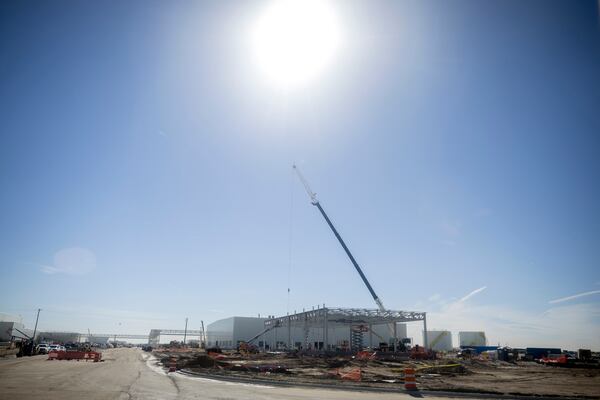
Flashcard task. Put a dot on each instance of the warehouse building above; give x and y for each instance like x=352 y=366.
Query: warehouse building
x=227 y=333
x=10 y=330
x=319 y=329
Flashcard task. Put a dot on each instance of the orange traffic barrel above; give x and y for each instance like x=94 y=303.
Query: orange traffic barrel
x=172 y=365
x=410 y=382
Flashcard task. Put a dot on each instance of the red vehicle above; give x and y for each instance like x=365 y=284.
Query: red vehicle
x=555 y=359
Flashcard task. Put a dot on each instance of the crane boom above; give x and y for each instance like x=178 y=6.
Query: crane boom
x=315 y=202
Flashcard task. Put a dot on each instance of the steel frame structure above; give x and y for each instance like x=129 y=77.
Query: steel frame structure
x=326 y=318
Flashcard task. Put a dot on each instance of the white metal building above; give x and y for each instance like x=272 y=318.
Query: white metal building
x=11 y=329
x=338 y=337
x=227 y=333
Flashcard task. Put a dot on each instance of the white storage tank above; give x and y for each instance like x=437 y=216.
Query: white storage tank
x=401 y=331
x=439 y=340
x=470 y=338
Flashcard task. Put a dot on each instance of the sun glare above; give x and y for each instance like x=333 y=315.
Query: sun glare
x=294 y=40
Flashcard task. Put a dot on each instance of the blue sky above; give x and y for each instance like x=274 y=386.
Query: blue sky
x=146 y=176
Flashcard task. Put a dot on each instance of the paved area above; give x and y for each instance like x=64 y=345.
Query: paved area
x=129 y=374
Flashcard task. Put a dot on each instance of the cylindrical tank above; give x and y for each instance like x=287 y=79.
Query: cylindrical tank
x=401 y=331
x=469 y=338
x=439 y=340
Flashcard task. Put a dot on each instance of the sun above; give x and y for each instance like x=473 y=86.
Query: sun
x=295 y=40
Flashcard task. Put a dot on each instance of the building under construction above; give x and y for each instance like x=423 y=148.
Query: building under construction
x=320 y=329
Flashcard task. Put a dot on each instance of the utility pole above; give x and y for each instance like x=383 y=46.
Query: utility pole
x=185 y=331
x=36 y=323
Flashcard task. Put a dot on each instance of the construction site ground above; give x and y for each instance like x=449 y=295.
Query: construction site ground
x=131 y=374
x=444 y=375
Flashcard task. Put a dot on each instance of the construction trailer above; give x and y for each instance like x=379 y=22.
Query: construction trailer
x=536 y=353
x=480 y=349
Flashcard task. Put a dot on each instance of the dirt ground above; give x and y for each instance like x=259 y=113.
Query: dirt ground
x=471 y=376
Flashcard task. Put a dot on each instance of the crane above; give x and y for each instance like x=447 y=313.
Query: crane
x=315 y=202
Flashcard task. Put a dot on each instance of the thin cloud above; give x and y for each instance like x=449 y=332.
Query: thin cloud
x=473 y=293
x=482 y=212
x=71 y=261
x=575 y=296
x=435 y=297
x=570 y=326
x=451 y=228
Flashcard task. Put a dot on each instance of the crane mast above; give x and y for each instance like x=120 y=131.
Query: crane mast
x=315 y=202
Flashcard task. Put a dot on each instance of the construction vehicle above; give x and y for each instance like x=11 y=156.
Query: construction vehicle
x=421 y=353
x=315 y=202
x=384 y=346
x=247 y=346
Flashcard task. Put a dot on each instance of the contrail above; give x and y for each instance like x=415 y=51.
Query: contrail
x=575 y=296
x=473 y=293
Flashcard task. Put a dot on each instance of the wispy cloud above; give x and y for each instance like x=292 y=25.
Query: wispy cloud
x=71 y=261
x=473 y=293
x=435 y=297
x=570 y=326
x=451 y=228
x=575 y=296
x=482 y=212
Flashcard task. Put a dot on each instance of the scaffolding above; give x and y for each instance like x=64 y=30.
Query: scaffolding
x=355 y=319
